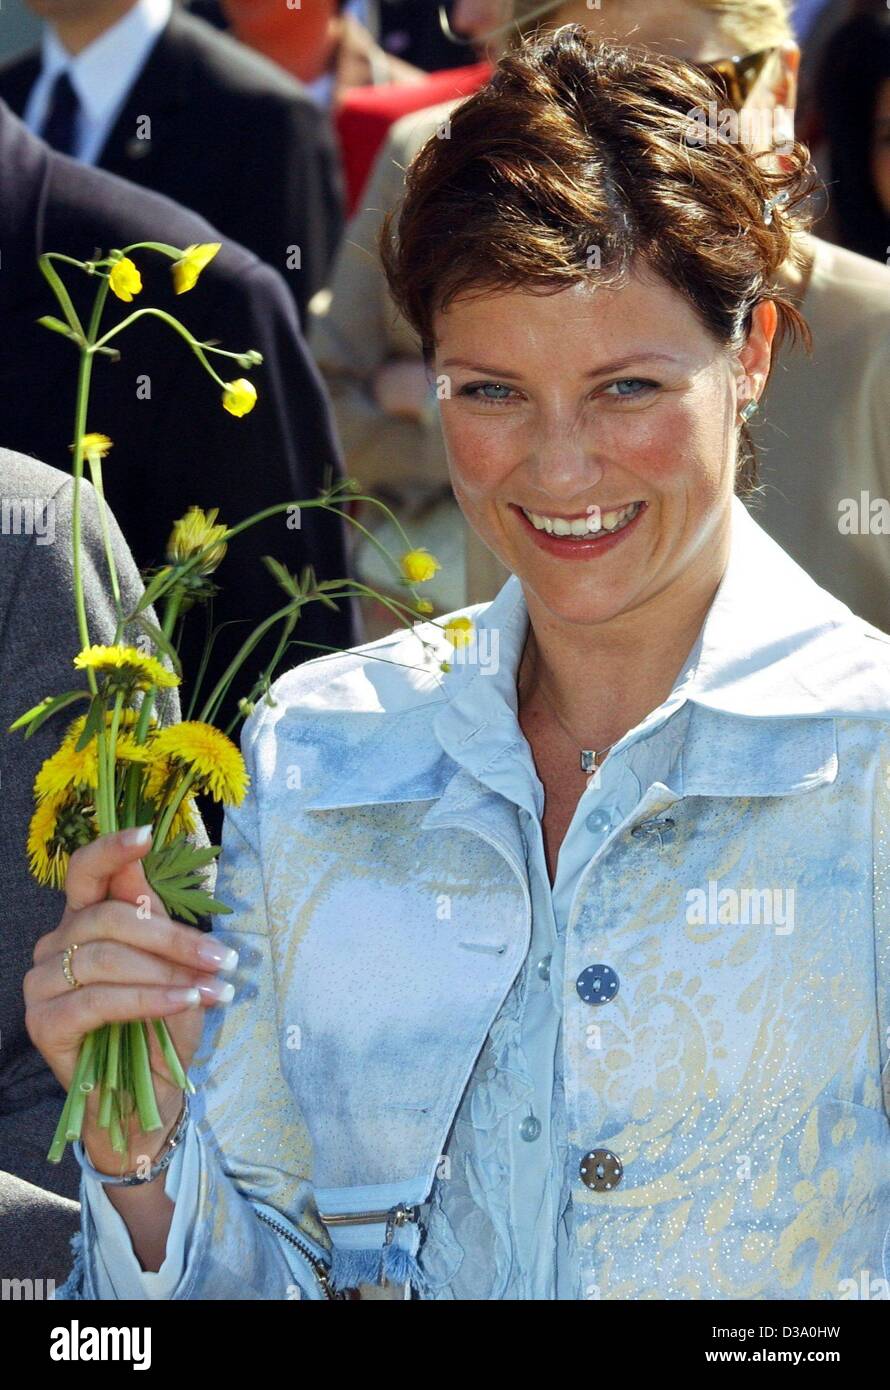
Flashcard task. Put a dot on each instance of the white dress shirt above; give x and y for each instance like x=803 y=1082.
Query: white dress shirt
x=102 y=74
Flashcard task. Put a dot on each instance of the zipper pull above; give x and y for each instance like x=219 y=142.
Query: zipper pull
x=396 y=1216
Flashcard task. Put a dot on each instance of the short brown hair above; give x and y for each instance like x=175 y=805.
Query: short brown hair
x=576 y=143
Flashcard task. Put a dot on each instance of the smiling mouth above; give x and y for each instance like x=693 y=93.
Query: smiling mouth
x=595 y=523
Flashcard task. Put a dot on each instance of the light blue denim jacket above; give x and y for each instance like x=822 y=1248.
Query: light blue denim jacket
x=392 y=1031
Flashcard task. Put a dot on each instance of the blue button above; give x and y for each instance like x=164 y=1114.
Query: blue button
x=544 y=968
x=598 y=821
x=597 y=984
x=530 y=1128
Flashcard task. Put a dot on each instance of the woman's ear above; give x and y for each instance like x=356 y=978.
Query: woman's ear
x=755 y=357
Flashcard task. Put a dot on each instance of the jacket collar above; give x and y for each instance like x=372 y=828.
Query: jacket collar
x=778 y=659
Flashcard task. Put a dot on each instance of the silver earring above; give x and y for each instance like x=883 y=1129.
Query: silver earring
x=748 y=410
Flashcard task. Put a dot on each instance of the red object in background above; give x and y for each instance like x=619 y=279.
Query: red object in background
x=366 y=114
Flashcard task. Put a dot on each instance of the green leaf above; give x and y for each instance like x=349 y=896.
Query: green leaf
x=57 y=326
x=176 y=873
x=152 y=590
x=46 y=709
x=160 y=639
x=281 y=575
x=92 y=725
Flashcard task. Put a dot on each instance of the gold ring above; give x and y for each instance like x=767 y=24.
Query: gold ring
x=66 y=966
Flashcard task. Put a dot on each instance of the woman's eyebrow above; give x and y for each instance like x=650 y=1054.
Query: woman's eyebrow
x=595 y=371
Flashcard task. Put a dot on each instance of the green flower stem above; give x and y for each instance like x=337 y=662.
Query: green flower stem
x=55 y=283
x=112 y=1033
x=140 y=731
x=177 y=1075
x=63 y=1129
x=82 y=1090
x=149 y=1115
x=115 y=1129
x=95 y=463
x=178 y=572
x=57 y=1147
x=174 y=323
x=111 y=766
x=174 y=252
x=218 y=694
x=170 y=810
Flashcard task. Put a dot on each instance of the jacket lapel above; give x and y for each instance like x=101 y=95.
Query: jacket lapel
x=16 y=82
x=161 y=92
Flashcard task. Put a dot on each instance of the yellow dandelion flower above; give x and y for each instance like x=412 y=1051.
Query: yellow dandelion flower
x=239 y=397
x=192 y=533
x=194 y=258
x=67 y=769
x=209 y=754
x=419 y=565
x=125 y=667
x=42 y=853
x=184 y=820
x=126 y=719
x=459 y=631
x=95 y=444
x=125 y=279
x=57 y=827
x=70 y=768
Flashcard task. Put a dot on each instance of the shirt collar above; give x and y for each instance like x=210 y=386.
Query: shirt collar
x=103 y=72
x=777 y=658
x=772 y=644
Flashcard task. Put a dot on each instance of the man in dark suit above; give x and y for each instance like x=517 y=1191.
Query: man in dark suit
x=174 y=444
x=152 y=93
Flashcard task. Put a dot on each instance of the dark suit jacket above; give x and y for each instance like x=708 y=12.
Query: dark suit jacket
x=232 y=136
x=38 y=641
x=178 y=447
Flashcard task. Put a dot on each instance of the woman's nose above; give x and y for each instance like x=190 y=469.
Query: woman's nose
x=565 y=467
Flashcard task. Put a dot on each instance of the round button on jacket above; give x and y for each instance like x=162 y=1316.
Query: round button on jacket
x=598 y=820
x=597 y=984
x=601 y=1170
x=530 y=1128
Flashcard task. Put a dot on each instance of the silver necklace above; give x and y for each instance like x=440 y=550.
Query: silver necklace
x=591 y=758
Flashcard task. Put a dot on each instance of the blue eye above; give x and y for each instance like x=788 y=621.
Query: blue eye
x=474 y=390
x=631 y=381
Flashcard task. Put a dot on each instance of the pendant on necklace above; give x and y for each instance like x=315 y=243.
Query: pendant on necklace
x=588 y=760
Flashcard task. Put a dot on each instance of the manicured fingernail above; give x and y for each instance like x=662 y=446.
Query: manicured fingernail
x=219 y=991
x=214 y=953
x=183 y=996
x=139 y=835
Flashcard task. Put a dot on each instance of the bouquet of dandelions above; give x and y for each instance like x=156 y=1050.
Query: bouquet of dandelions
x=115 y=766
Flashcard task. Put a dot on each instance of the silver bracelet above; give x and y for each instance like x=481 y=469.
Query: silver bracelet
x=162 y=1162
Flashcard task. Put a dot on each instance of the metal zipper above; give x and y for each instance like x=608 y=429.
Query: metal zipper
x=319 y=1268
x=395 y=1216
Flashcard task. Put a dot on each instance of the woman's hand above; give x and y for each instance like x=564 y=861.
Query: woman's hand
x=132 y=962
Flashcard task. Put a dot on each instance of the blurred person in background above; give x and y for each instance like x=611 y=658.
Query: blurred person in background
x=825 y=419
x=146 y=90
x=854 y=95
x=323 y=44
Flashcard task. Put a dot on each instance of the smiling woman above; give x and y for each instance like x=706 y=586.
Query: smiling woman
x=563 y=964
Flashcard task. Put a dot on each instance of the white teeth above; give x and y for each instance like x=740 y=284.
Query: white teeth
x=583 y=526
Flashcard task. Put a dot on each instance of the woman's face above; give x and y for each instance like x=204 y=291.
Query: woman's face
x=585 y=403
x=880 y=150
